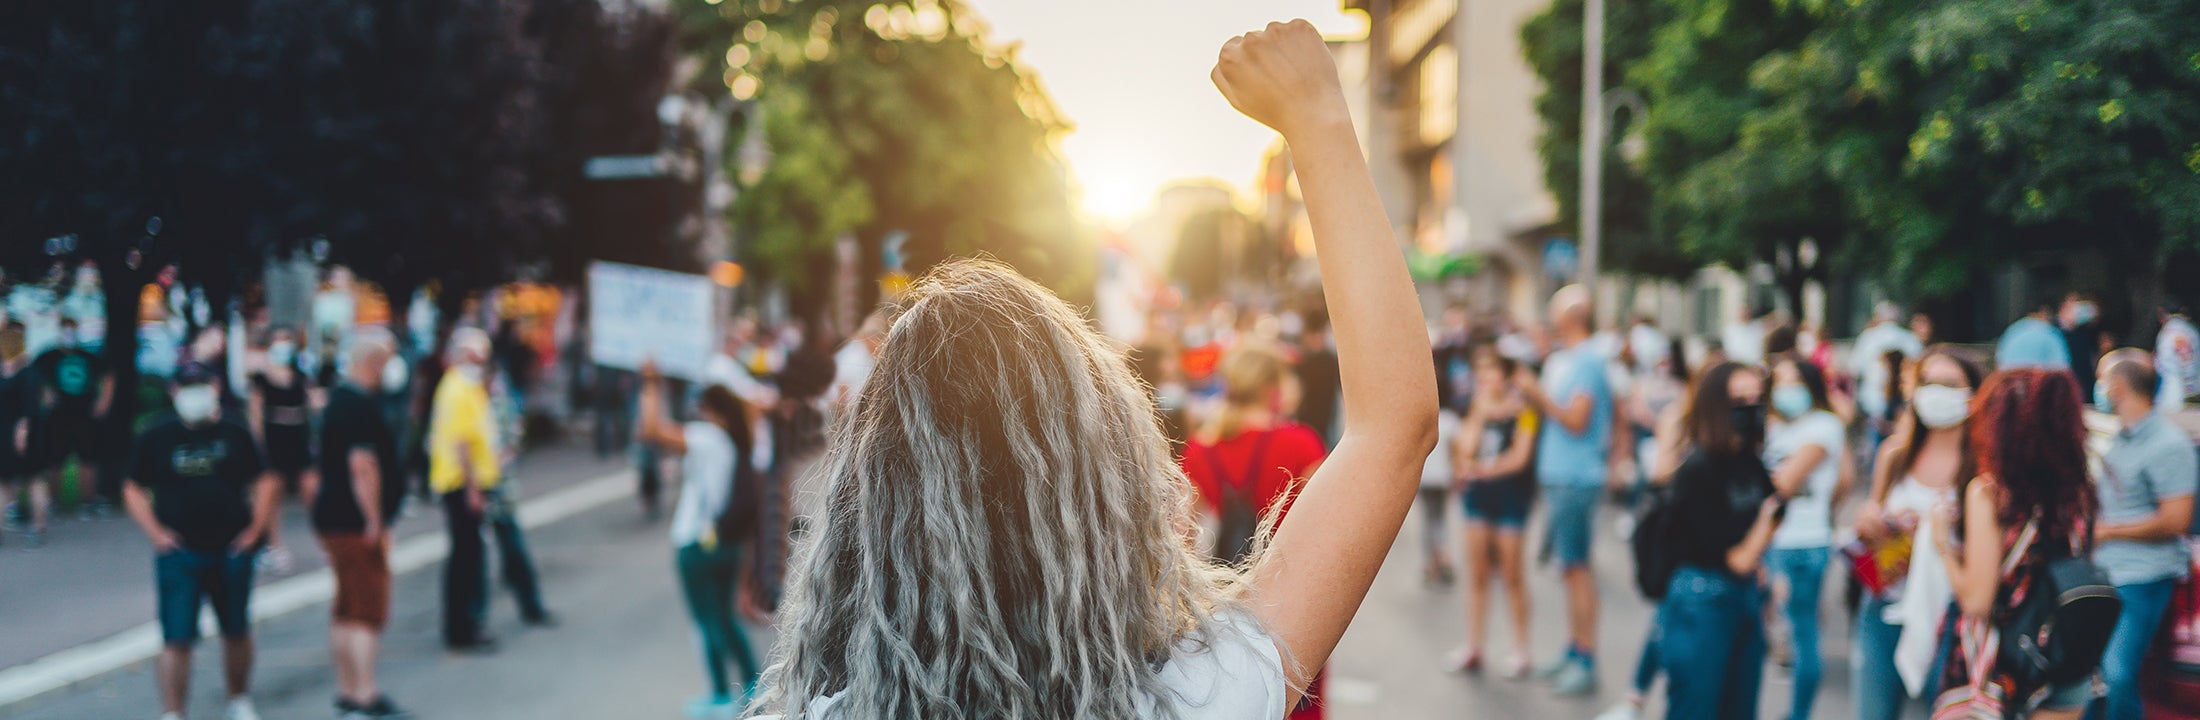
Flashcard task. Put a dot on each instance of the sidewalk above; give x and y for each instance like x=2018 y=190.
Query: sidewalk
x=94 y=577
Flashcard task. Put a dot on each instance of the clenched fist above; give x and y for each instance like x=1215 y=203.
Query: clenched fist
x=1283 y=77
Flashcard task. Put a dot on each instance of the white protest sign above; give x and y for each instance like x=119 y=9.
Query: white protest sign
x=637 y=313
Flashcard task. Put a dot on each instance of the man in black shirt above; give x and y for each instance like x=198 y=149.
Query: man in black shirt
x=200 y=491
x=78 y=391
x=354 y=501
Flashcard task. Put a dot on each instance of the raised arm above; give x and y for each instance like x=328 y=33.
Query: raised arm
x=1325 y=553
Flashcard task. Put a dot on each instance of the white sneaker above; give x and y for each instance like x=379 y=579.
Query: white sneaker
x=241 y=709
x=1623 y=710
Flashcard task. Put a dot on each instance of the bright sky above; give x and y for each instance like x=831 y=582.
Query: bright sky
x=1132 y=76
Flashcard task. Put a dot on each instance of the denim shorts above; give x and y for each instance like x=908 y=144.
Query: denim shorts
x=1572 y=522
x=187 y=578
x=1500 y=504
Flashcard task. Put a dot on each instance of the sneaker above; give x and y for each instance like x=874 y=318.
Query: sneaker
x=1466 y=660
x=241 y=709
x=1577 y=680
x=1622 y=710
x=1516 y=667
x=380 y=709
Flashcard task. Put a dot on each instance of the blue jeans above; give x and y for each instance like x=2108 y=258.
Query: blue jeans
x=1646 y=669
x=708 y=579
x=2144 y=605
x=1711 y=639
x=1805 y=571
x=188 y=578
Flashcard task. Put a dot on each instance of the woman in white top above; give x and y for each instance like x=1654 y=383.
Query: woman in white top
x=1008 y=535
x=712 y=449
x=1804 y=442
x=1916 y=473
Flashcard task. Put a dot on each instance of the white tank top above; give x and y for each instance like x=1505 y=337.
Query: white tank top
x=1910 y=495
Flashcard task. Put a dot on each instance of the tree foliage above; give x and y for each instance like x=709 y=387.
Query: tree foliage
x=890 y=118
x=1914 y=142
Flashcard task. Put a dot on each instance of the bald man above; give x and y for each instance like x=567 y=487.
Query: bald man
x=2146 y=512
x=1574 y=396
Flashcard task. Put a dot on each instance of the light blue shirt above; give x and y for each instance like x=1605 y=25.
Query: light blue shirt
x=2146 y=465
x=1564 y=458
x=2032 y=343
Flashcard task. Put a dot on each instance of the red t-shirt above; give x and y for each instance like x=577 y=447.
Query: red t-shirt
x=1292 y=450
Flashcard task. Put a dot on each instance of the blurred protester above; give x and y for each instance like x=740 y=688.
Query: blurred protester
x=1495 y=453
x=996 y=380
x=1921 y=325
x=1781 y=339
x=1744 y=340
x=19 y=395
x=355 y=497
x=1667 y=448
x=466 y=466
x=201 y=494
x=1650 y=345
x=1438 y=474
x=2146 y=510
x=712 y=450
x=1723 y=513
x=516 y=362
x=1249 y=457
x=2079 y=319
x=2033 y=341
x=1804 y=445
x=1867 y=362
x=78 y=392
x=1574 y=400
x=1318 y=378
x=853 y=362
x=2030 y=502
x=2177 y=357
x=87 y=305
x=1906 y=591
x=738 y=367
x=278 y=411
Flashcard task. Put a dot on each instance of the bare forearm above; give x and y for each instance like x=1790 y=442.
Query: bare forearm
x=366 y=486
x=1744 y=557
x=140 y=508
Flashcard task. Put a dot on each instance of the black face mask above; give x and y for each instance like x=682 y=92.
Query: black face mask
x=1749 y=423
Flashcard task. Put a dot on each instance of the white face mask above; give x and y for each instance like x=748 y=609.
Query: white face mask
x=282 y=353
x=394 y=374
x=470 y=371
x=1941 y=406
x=196 y=403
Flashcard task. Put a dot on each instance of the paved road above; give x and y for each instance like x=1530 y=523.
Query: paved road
x=625 y=651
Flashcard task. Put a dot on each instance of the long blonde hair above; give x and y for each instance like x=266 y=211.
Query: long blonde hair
x=1004 y=534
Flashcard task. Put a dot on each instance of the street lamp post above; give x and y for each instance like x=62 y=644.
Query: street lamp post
x=1592 y=142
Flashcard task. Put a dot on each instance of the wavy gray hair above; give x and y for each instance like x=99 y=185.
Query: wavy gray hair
x=1007 y=535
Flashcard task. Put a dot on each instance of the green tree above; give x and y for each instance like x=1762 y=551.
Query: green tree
x=889 y=118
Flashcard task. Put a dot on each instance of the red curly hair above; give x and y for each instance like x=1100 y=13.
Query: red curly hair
x=2028 y=431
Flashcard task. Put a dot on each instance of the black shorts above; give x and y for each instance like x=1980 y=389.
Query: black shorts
x=68 y=435
x=289 y=449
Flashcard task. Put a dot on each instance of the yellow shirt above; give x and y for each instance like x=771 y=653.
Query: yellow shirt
x=462 y=416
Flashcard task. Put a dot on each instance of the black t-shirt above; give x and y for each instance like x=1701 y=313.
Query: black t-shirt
x=72 y=374
x=282 y=406
x=1716 y=497
x=201 y=478
x=353 y=421
x=1318 y=380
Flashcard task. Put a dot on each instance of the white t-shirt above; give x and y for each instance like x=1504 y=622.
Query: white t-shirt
x=1236 y=675
x=1909 y=495
x=723 y=369
x=851 y=368
x=1436 y=471
x=706 y=481
x=1809 y=522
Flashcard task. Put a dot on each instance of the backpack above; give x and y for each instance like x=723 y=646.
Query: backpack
x=1655 y=561
x=744 y=510
x=1240 y=517
x=2058 y=634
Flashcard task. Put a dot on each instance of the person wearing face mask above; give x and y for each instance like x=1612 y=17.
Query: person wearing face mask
x=200 y=492
x=18 y=406
x=465 y=467
x=277 y=410
x=2146 y=511
x=78 y=391
x=1907 y=592
x=1803 y=446
x=1722 y=516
